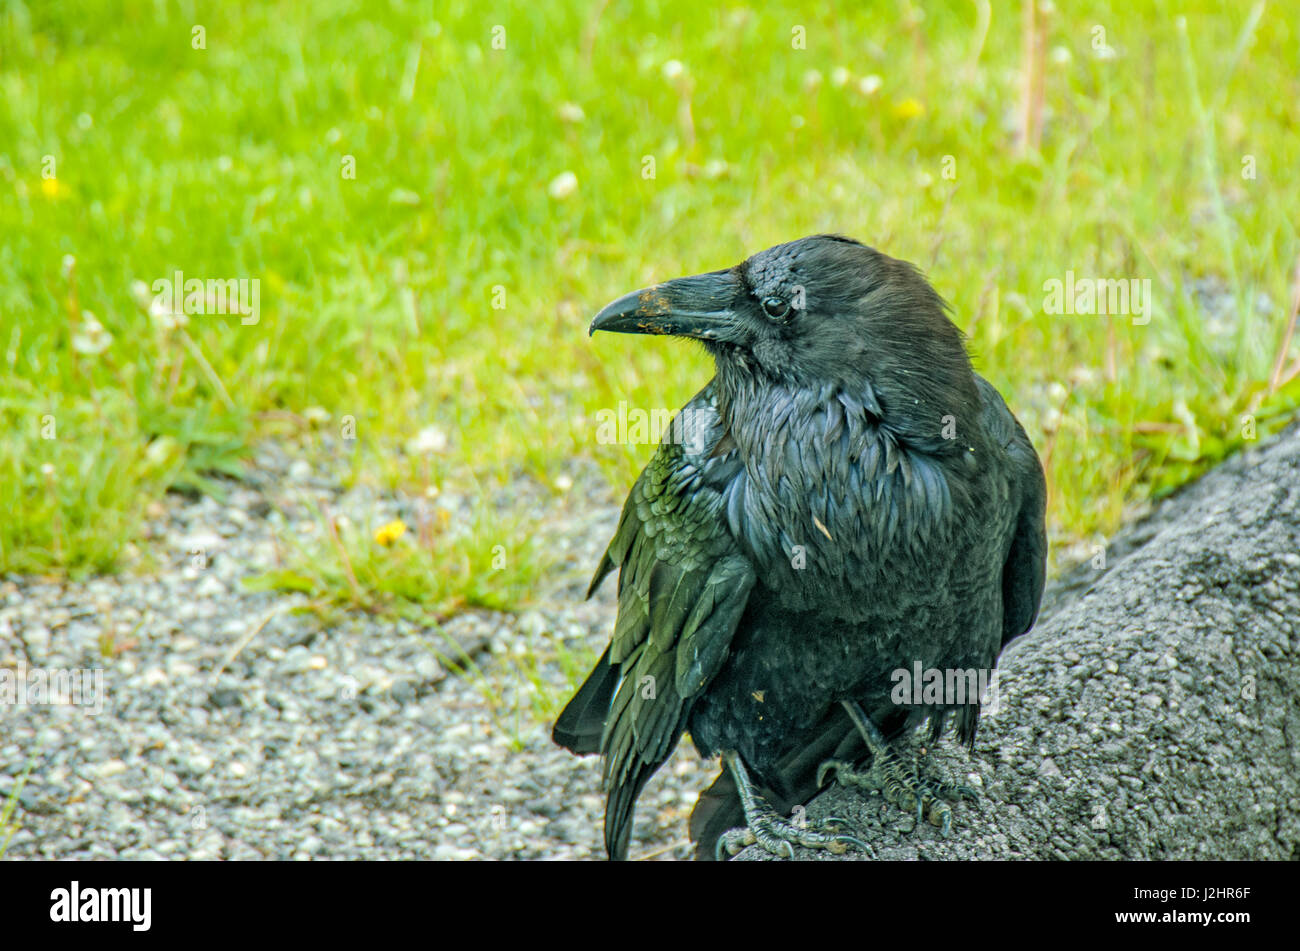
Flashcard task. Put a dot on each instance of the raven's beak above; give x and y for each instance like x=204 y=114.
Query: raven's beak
x=701 y=306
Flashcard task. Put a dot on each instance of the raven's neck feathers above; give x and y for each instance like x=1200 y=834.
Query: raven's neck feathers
x=842 y=486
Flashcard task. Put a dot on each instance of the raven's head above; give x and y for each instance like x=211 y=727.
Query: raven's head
x=817 y=311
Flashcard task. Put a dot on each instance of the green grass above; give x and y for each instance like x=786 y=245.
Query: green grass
x=435 y=567
x=377 y=292
x=9 y=807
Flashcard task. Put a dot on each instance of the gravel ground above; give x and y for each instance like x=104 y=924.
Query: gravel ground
x=235 y=727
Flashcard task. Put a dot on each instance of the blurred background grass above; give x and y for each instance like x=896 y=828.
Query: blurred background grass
x=998 y=154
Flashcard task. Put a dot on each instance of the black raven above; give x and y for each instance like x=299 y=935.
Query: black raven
x=844 y=500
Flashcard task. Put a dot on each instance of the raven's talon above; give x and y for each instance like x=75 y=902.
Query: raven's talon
x=842 y=843
x=779 y=836
x=845 y=774
x=733 y=842
x=903 y=784
x=941 y=816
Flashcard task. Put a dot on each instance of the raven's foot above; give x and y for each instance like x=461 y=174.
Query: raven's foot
x=904 y=781
x=902 y=777
x=777 y=835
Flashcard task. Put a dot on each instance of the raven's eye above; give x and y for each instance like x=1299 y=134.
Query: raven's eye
x=775 y=308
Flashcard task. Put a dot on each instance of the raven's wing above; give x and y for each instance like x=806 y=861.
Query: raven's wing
x=1025 y=568
x=682 y=588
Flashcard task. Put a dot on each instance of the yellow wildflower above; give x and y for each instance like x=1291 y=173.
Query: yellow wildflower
x=391 y=532
x=909 y=109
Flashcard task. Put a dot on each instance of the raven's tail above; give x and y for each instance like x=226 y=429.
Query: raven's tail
x=581 y=723
x=717 y=810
